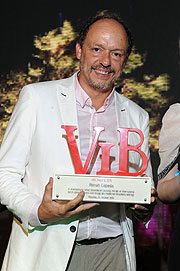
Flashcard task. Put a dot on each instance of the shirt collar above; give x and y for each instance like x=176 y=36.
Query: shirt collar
x=83 y=99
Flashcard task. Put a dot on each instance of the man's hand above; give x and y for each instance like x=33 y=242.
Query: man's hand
x=51 y=211
x=144 y=212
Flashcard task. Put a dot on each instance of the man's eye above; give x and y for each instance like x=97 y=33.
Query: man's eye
x=96 y=49
x=117 y=54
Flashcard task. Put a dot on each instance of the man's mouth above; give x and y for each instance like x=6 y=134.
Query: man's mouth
x=104 y=72
x=101 y=72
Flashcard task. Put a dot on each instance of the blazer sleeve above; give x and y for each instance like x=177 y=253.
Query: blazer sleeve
x=14 y=156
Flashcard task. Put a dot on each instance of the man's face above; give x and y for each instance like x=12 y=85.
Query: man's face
x=102 y=55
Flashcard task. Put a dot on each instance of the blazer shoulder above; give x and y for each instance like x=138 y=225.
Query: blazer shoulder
x=134 y=107
x=51 y=86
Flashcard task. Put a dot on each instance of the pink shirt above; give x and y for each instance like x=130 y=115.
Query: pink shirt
x=102 y=221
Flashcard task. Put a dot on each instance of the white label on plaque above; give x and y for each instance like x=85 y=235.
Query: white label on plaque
x=100 y=188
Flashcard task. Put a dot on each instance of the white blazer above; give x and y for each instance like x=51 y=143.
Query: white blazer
x=33 y=149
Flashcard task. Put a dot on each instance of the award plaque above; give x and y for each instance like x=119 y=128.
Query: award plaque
x=122 y=189
x=105 y=186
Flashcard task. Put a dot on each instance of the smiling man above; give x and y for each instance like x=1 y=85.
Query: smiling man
x=102 y=57
x=48 y=235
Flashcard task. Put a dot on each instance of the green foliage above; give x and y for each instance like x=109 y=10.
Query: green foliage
x=54 y=58
x=151 y=95
x=56 y=51
x=135 y=60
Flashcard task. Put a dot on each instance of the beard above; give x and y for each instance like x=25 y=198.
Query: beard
x=100 y=86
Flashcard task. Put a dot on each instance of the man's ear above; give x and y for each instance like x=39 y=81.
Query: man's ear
x=78 y=50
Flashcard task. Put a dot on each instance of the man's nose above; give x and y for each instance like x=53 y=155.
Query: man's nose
x=106 y=59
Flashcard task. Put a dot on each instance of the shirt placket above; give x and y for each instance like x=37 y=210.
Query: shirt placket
x=93 y=123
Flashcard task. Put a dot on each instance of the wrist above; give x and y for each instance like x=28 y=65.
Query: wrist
x=42 y=221
x=40 y=215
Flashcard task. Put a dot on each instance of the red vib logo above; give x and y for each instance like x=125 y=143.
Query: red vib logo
x=124 y=148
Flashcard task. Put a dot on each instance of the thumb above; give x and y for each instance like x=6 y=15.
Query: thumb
x=48 y=190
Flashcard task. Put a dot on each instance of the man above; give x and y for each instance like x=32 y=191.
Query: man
x=47 y=235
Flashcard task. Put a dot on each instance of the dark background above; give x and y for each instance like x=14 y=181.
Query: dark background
x=155 y=26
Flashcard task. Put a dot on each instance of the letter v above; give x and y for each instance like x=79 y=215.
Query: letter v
x=79 y=169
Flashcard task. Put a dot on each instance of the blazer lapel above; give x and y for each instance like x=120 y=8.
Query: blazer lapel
x=124 y=118
x=121 y=111
x=67 y=105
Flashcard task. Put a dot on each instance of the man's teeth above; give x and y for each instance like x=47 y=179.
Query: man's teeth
x=102 y=72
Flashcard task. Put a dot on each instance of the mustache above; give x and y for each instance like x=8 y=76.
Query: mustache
x=106 y=69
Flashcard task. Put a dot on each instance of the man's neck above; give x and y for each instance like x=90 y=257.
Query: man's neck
x=98 y=96
x=99 y=99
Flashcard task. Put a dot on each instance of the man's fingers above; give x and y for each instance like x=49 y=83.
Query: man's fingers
x=72 y=204
x=86 y=206
x=83 y=207
x=154 y=195
x=140 y=207
x=154 y=192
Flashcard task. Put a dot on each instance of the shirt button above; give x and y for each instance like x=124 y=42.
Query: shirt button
x=72 y=228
